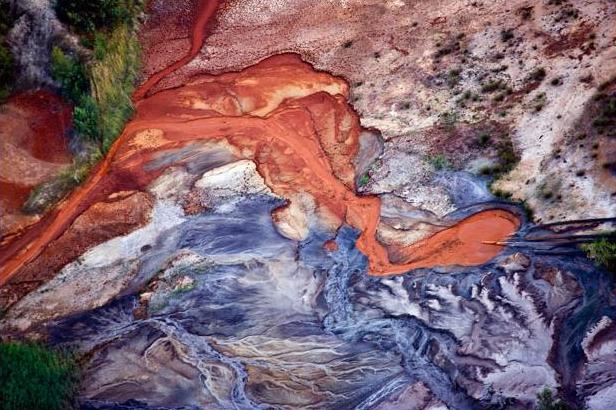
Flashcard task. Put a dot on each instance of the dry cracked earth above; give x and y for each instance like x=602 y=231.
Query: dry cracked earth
x=318 y=204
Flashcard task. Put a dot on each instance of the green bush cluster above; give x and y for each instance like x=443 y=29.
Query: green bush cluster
x=538 y=74
x=93 y=15
x=603 y=252
x=6 y=70
x=71 y=74
x=33 y=377
x=6 y=58
x=113 y=77
x=102 y=91
x=448 y=119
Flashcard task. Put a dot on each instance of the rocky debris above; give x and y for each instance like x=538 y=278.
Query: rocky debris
x=223 y=186
x=404 y=224
x=518 y=262
x=295 y=219
x=598 y=381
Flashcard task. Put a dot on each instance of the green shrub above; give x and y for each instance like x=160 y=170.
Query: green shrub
x=603 y=252
x=86 y=117
x=6 y=20
x=537 y=74
x=528 y=211
x=606 y=116
x=453 y=77
x=448 y=119
x=6 y=70
x=363 y=181
x=499 y=193
x=539 y=102
x=547 y=401
x=439 y=162
x=483 y=139
x=33 y=377
x=70 y=73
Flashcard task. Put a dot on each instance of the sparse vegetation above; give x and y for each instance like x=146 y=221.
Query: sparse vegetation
x=451 y=46
x=493 y=85
x=51 y=192
x=34 y=377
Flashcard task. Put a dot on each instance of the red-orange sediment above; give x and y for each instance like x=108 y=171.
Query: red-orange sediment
x=34 y=148
x=49 y=120
x=296 y=125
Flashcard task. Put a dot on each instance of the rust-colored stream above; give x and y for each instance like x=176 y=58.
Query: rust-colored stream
x=296 y=125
